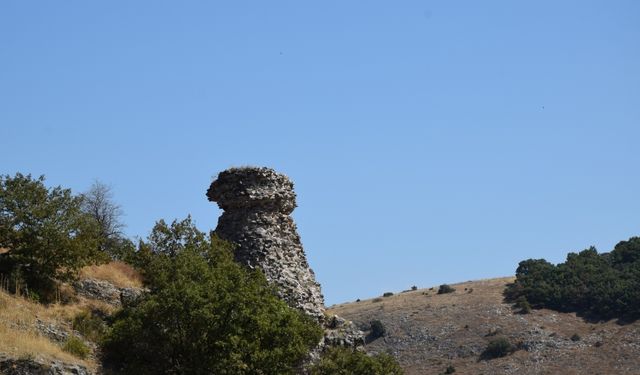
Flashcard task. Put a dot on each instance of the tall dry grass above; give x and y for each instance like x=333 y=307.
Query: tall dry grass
x=118 y=273
x=19 y=337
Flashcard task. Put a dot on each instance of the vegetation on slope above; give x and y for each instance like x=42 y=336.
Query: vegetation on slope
x=346 y=361
x=48 y=235
x=601 y=286
x=19 y=333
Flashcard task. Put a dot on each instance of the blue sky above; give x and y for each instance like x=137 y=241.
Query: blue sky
x=429 y=141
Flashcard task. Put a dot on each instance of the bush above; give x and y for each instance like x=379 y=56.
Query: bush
x=601 y=286
x=205 y=313
x=377 y=329
x=499 y=347
x=450 y=370
x=414 y=288
x=445 y=288
x=387 y=294
x=523 y=305
x=576 y=337
x=76 y=347
x=48 y=236
x=89 y=325
x=345 y=361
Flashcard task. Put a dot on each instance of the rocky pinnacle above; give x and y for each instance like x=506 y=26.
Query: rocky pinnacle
x=257 y=204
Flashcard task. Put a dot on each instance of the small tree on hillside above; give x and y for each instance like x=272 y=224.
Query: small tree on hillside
x=98 y=204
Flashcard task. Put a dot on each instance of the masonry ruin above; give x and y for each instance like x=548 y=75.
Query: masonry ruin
x=257 y=204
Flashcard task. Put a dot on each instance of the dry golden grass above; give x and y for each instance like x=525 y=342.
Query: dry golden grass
x=19 y=337
x=118 y=273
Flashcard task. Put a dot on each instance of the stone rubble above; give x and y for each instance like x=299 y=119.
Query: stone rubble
x=32 y=366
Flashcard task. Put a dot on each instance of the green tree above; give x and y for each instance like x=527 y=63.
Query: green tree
x=48 y=236
x=345 y=361
x=205 y=314
x=600 y=286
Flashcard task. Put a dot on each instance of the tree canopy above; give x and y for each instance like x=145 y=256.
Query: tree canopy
x=205 y=313
x=47 y=234
x=346 y=361
x=602 y=286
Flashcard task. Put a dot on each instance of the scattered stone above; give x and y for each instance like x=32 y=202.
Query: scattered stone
x=31 y=366
x=342 y=332
x=51 y=331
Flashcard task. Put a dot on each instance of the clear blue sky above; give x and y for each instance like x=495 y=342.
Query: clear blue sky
x=429 y=141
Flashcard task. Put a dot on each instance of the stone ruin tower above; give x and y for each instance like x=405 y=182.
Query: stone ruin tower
x=257 y=204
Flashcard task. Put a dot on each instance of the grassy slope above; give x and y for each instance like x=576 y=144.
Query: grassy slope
x=427 y=332
x=19 y=335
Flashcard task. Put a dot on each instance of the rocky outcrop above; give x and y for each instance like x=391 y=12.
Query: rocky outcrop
x=106 y=292
x=342 y=332
x=30 y=366
x=257 y=204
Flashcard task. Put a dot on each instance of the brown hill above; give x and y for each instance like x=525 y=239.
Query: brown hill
x=428 y=332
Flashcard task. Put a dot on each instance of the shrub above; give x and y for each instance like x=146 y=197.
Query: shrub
x=445 y=288
x=337 y=361
x=450 y=369
x=205 y=313
x=89 y=325
x=377 y=329
x=575 y=337
x=523 y=305
x=387 y=294
x=499 y=347
x=414 y=288
x=76 y=347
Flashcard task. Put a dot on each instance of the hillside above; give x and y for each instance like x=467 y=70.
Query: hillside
x=428 y=332
x=34 y=338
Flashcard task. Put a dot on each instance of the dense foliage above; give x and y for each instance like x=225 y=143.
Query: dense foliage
x=377 y=329
x=446 y=288
x=498 y=347
x=600 y=286
x=345 y=361
x=46 y=233
x=205 y=314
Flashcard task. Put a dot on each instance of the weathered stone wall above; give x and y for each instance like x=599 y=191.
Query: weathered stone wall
x=257 y=204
